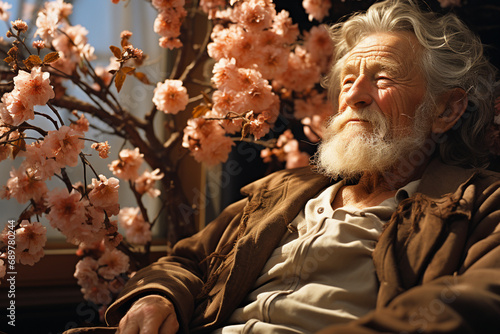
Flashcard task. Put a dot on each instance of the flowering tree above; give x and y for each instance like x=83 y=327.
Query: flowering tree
x=253 y=49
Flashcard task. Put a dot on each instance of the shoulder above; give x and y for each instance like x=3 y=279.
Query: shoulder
x=440 y=179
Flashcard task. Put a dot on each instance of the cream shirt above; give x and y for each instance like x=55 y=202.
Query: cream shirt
x=322 y=273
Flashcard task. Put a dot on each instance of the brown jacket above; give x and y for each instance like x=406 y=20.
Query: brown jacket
x=437 y=261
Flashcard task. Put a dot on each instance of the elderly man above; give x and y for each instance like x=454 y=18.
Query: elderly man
x=383 y=234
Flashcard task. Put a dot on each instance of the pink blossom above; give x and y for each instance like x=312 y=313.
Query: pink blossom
x=170 y=43
x=314 y=104
x=320 y=47
x=224 y=105
x=47 y=22
x=207 y=141
x=283 y=26
x=98 y=294
x=254 y=15
x=287 y=149
x=25 y=184
x=4 y=14
x=30 y=237
x=168 y=22
x=224 y=41
x=128 y=164
x=314 y=127
x=29 y=259
x=211 y=7
x=112 y=263
x=225 y=72
x=294 y=157
x=19 y=25
x=49 y=18
x=86 y=272
x=273 y=61
x=67 y=212
x=64 y=145
x=81 y=124
x=257 y=96
x=105 y=75
x=305 y=73
x=146 y=182
x=102 y=148
x=259 y=124
x=91 y=230
x=113 y=238
x=104 y=194
x=137 y=230
x=170 y=96
x=34 y=87
x=61 y=8
x=72 y=46
x=317 y=9
x=37 y=160
x=14 y=110
x=38 y=44
x=30 y=240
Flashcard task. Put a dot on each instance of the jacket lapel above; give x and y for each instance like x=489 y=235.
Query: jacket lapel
x=418 y=229
x=274 y=203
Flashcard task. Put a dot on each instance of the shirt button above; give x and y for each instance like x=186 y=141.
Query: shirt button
x=321 y=210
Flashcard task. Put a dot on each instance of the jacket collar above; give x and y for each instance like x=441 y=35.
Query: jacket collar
x=440 y=179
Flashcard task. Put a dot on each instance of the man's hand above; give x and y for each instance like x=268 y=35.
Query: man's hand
x=150 y=315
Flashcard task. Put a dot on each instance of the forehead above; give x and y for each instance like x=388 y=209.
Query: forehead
x=397 y=51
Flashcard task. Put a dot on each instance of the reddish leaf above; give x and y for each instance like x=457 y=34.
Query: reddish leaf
x=51 y=57
x=127 y=69
x=119 y=80
x=142 y=77
x=9 y=59
x=116 y=51
x=18 y=146
x=200 y=110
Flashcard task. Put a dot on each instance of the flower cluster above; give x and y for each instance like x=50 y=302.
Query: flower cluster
x=317 y=9
x=85 y=213
x=69 y=41
x=286 y=150
x=102 y=275
x=255 y=49
x=171 y=14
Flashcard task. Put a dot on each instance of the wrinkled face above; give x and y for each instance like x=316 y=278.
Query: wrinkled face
x=382 y=91
x=382 y=74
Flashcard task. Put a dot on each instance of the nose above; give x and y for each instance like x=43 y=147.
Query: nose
x=358 y=95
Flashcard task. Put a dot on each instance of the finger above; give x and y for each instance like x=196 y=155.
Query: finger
x=128 y=327
x=170 y=325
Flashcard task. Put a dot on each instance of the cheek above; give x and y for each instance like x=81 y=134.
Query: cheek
x=398 y=105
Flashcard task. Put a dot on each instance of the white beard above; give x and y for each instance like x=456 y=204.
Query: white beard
x=349 y=150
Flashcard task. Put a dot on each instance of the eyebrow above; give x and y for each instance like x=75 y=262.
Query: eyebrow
x=390 y=67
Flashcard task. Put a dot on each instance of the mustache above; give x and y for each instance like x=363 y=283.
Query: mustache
x=380 y=124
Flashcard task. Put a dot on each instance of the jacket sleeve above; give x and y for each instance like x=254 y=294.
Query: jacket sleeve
x=180 y=275
x=467 y=301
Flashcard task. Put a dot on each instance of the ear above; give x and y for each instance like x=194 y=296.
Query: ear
x=451 y=107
